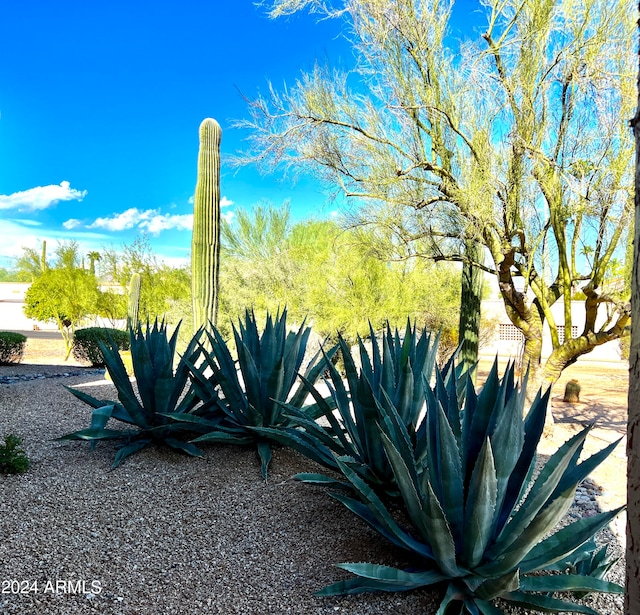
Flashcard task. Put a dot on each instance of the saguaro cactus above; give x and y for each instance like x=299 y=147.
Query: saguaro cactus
x=43 y=257
x=134 y=301
x=205 y=245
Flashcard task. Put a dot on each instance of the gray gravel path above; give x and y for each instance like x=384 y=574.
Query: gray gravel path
x=166 y=533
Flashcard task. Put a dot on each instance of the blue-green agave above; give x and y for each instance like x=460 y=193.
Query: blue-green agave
x=395 y=373
x=245 y=394
x=480 y=520
x=161 y=391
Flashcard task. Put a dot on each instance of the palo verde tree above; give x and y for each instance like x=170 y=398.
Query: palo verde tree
x=515 y=142
x=31 y=263
x=64 y=293
x=255 y=263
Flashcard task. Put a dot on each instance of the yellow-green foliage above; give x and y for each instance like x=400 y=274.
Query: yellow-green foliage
x=165 y=292
x=65 y=296
x=329 y=275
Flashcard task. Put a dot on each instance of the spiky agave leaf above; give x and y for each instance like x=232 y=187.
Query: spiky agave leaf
x=372 y=577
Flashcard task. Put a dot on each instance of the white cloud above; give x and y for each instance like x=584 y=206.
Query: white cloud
x=149 y=219
x=41 y=197
x=123 y=221
x=14 y=238
x=175 y=261
x=163 y=222
x=71 y=223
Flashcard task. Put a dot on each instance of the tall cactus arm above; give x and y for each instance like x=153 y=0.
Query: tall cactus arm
x=133 y=306
x=205 y=246
x=43 y=257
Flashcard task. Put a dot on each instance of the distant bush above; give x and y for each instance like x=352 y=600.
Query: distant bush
x=13 y=460
x=11 y=347
x=86 y=343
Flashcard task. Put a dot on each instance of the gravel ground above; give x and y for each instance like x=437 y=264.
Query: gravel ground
x=165 y=533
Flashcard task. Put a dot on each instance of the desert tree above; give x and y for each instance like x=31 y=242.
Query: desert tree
x=68 y=255
x=255 y=265
x=514 y=142
x=31 y=263
x=65 y=296
x=257 y=233
x=63 y=292
x=329 y=276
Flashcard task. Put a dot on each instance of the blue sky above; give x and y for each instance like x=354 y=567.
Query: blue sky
x=100 y=105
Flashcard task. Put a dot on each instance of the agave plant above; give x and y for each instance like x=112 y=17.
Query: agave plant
x=161 y=391
x=242 y=396
x=592 y=560
x=480 y=521
x=396 y=373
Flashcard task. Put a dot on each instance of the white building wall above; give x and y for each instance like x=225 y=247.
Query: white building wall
x=494 y=315
x=12 y=317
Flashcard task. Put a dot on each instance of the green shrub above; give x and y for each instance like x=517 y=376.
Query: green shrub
x=13 y=460
x=11 y=347
x=479 y=525
x=161 y=392
x=86 y=343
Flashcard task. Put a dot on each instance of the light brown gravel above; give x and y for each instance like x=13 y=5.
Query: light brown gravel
x=169 y=534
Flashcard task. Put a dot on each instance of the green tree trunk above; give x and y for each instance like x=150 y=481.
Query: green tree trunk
x=470 y=299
